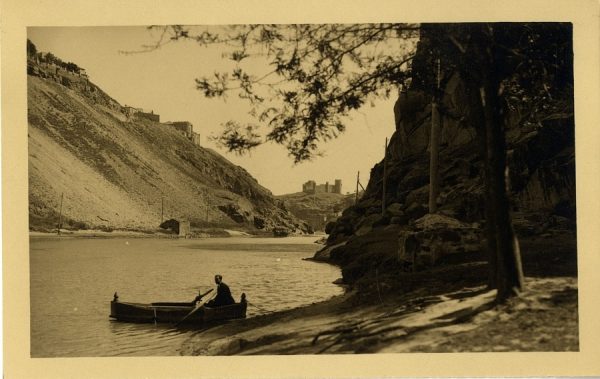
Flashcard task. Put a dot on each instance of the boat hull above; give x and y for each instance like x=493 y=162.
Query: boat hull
x=174 y=312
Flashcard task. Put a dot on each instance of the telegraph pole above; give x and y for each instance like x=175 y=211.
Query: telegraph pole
x=207 y=208
x=384 y=177
x=162 y=209
x=60 y=213
x=357 y=181
x=434 y=185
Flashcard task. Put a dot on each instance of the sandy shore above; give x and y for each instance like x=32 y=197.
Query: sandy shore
x=543 y=318
x=96 y=233
x=135 y=234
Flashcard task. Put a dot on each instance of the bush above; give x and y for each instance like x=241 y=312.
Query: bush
x=105 y=228
x=78 y=225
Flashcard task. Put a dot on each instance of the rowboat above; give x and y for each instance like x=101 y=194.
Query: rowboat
x=176 y=312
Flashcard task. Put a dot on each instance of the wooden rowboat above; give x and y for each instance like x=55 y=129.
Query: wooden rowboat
x=174 y=312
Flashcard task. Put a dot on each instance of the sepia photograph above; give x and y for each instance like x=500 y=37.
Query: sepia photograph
x=372 y=188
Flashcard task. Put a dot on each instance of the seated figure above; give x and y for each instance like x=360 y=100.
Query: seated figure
x=223 y=296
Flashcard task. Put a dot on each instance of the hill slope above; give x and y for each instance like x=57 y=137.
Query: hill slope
x=118 y=172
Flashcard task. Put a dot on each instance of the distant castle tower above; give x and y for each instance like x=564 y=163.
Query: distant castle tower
x=337 y=188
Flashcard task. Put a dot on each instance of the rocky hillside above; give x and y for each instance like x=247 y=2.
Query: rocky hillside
x=542 y=176
x=115 y=171
x=316 y=209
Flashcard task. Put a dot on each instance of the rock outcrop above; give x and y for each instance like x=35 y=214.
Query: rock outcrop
x=542 y=178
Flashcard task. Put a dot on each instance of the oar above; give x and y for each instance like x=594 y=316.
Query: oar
x=195 y=309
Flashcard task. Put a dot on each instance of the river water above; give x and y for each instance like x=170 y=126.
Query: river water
x=73 y=281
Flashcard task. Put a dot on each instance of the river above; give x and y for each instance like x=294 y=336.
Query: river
x=73 y=281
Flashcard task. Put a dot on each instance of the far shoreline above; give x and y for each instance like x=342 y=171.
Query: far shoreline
x=212 y=233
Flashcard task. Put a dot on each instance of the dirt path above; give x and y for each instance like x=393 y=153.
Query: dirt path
x=544 y=318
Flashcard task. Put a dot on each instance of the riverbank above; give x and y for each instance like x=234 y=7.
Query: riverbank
x=543 y=318
x=443 y=309
x=96 y=233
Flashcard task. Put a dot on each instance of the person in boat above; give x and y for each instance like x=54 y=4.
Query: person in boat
x=223 y=296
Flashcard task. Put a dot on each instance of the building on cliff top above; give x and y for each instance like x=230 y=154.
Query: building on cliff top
x=312 y=187
x=184 y=127
x=148 y=116
x=187 y=129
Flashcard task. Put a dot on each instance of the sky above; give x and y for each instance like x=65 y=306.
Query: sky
x=163 y=81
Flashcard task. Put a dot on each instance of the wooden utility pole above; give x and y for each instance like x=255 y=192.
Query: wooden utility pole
x=206 y=208
x=434 y=147
x=357 y=181
x=162 y=209
x=384 y=177
x=60 y=213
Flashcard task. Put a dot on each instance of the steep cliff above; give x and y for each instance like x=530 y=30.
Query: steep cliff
x=542 y=178
x=118 y=171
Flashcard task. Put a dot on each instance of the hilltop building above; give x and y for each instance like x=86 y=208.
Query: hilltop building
x=312 y=187
x=184 y=127
x=195 y=138
x=130 y=111
x=148 y=116
x=187 y=129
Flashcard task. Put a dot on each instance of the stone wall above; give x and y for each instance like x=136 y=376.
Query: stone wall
x=148 y=116
x=184 y=127
x=196 y=138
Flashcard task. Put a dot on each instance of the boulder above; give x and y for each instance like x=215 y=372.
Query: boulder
x=399 y=220
x=419 y=195
x=171 y=224
x=373 y=211
x=365 y=229
x=437 y=221
x=436 y=238
x=415 y=178
x=415 y=211
x=369 y=220
x=395 y=209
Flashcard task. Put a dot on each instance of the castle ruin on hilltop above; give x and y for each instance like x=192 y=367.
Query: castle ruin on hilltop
x=312 y=187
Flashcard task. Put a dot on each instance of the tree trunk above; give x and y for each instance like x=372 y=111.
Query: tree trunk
x=509 y=275
x=478 y=119
x=480 y=75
